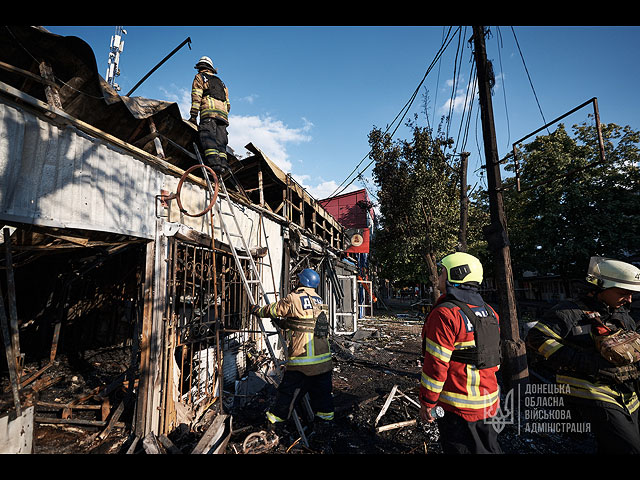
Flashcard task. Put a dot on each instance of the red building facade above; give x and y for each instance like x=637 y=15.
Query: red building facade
x=354 y=211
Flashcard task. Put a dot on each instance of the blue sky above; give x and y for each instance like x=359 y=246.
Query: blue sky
x=309 y=95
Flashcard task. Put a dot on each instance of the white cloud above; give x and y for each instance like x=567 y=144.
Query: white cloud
x=181 y=96
x=460 y=100
x=249 y=98
x=322 y=189
x=270 y=135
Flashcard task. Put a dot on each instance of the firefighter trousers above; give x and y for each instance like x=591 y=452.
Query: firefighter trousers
x=292 y=389
x=458 y=436
x=616 y=430
x=213 y=140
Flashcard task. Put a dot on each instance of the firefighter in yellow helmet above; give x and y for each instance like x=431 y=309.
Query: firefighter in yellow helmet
x=210 y=99
x=303 y=317
x=461 y=351
x=591 y=345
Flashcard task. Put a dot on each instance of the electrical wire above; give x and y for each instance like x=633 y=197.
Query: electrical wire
x=504 y=89
x=454 y=87
x=435 y=100
x=342 y=187
x=468 y=107
x=528 y=76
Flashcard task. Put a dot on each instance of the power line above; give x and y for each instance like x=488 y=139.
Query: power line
x=404 y=109
x=528 y=76
x=504 y=89
x=456 y=76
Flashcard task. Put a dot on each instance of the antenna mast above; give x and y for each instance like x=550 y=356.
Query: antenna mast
x=117 y=45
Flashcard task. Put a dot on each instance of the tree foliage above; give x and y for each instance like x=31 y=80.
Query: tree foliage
x=573 y=206
x=419 y=197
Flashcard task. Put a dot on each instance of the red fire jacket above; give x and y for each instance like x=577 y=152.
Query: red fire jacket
x=458 y=387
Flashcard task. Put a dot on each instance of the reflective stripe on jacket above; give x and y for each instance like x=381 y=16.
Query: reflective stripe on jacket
x=564 y=342
x=308 y=352
x=458 y=387
x=208 y=106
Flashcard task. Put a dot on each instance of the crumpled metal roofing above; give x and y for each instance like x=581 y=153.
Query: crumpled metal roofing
x=86 y=95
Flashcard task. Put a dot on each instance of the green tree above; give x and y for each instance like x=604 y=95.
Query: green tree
x=419 y=205
x=572 y=205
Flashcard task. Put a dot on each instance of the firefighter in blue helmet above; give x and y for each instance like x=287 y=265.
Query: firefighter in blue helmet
x=303 y=316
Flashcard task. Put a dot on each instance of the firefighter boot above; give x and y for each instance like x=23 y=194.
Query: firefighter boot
x=322 y=436
x=278 y=429
x=218 y=164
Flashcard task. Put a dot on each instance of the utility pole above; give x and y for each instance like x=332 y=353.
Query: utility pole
x=514 y=367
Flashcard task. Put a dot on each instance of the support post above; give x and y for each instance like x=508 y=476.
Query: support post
x=515 y=369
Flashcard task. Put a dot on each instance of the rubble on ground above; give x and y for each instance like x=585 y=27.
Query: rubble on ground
x=375 y=384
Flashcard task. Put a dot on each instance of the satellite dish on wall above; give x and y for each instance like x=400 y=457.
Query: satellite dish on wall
x=356 y=240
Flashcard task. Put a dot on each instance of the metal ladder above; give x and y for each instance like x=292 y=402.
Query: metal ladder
x=253 y=280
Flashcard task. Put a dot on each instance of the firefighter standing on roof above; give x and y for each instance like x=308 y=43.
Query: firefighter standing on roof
x=210 y=99
x=591 y=345
x=303 y=316
x=461 y=351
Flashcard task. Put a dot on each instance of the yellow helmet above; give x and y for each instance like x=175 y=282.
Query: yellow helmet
x=462 y=268
x=608 y=273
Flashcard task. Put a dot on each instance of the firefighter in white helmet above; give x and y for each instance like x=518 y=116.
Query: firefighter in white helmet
x=592 y=346
x=210 y=99
x=461 y=352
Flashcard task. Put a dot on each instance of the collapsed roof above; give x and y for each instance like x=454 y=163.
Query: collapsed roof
x=28 y=53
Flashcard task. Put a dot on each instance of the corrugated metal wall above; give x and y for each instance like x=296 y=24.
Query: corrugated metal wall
x=58 y=176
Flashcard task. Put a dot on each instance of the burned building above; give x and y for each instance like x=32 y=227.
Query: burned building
x=124 y=295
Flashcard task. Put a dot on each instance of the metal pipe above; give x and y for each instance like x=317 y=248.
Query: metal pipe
x=188 y=40
x=596 y=114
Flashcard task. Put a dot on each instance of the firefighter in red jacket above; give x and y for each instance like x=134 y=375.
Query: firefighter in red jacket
x=461 y=351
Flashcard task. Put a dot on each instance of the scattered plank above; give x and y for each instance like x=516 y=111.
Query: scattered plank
x=134 y=444
x=393 y=426
x=212 y=441
x=395 y=392
x=150 y=444
x=386 y=404
x=112 y=421
x=76 y=421
x=169 y=445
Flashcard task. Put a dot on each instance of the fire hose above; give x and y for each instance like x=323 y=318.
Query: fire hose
x=214 y=191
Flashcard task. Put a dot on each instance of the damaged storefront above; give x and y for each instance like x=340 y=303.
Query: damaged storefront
x=124 y=310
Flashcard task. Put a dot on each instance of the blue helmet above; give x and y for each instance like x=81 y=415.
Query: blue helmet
x=309 y=278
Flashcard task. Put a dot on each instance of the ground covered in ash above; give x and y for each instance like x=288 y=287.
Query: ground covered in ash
x=382 y=357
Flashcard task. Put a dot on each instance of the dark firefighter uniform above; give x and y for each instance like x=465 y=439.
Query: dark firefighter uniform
x=210 y=98
x=302 y=316
x=598 y=391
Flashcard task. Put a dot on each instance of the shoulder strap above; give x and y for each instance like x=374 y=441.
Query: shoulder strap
x=466 y=309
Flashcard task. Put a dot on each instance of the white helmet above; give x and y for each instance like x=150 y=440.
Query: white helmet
x=205 y=61
x=608 y=273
